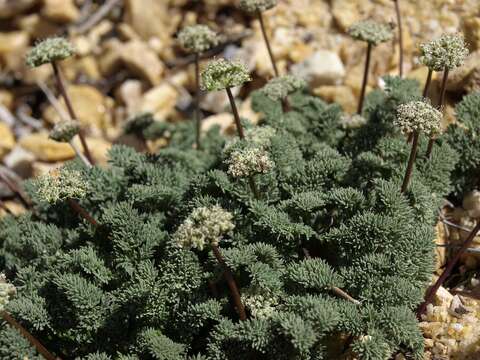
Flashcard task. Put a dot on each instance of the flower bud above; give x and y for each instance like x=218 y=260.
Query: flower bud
x=197 y=38
x=64 y=131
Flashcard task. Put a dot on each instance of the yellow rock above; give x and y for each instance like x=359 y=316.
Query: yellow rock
x=15 y=7
x=45 y=149
x=14 y=207
x=347 y=12
x=149 y=18
x=342 y=95
x=91 y=106
x=13 y=46
x=142 y=61
x=61 y=11
x=98 y=147
x=7 y=140
x=37 y=26
x=420 y=74
x=160 y=101
x=472 y=31
x=6 y=98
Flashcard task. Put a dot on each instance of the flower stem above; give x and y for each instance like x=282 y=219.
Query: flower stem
x=267 y=42
x=63 y=91
x=400 y=36
x=231 y=283
x=236 y=116
x=31 y=339
x=75 y=206
x=197 y=101
x=365 y=79
x=441 y=102
x=448 y=270
x=411 y=162
x=16 y=189
x=286 y=107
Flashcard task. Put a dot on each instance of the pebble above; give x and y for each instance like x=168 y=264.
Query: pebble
x=322 y=68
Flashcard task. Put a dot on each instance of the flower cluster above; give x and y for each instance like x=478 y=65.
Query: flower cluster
x=371 y=31
x=418 y=116
x=254 y=136
x=260 y=306
x=7 y=290
x=249 y=161
x=197 y=38
x=204 y=226
x=279 y=88
x=50 y=50
x=138 y=122
x=447 y=52
x=64 y=131
x=252 y=6
x=221 y=74
x=60 y=185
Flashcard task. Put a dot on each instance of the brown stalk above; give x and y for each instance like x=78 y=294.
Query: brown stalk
x=232 y=285
x=400 y=35
x=75 y=206
x=16 y=190
x=365 y=79
x=448 y=270
x=411 y=162
x=31 y=339
x=267 y=42
x=441 y=102
x=63 y=91
x=241 y=135
x=197 y=101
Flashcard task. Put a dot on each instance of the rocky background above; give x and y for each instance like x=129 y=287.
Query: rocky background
x=128 y=62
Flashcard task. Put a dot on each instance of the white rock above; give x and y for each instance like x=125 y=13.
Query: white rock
x=322 y=68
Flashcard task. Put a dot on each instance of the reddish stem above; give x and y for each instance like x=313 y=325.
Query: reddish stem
x=365 y=79
x=31 y=339
x=16 y=190
x=400 y=35
x=236 y=116
x=448 y=270
x=82 y=212
x=231 y=283
x=267 y=42
x=197 y=101
x=427 y=83
x=63 y=91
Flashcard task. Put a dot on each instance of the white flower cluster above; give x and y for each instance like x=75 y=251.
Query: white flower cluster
x=7 y=290
x=371 y=31
x=60 y=185
x=252 y=6
x=221 y=74
x=447 y=52
x=49 y=50
x=260 y=307
x=204 y=226
x=64 y=131
x=279 y=88
x=197 y=38
x=255 y=136
x=249 y=161
x=418 y=116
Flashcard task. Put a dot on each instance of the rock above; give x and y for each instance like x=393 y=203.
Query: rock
x=14 y=207
x=11 y=8
x=342 y=95
x=98 y=147
x=443 y=297
x=322 y=68
x=7 y=140
x=60 y=11
x=471 y=27
x=420 y=74
x=6 y=98
x=149 y=18
x=160 y=101
x=91 y=106
x=466 y=77
x=471 y=203
x=223 y=120
x=45 y=149
x=13 y=46
x=130 y=94
x=347 y=12
x=37 y=26
x=20 y=161
x=142 y=61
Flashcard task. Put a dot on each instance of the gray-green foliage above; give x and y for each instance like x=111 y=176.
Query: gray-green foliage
x=126 y=290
